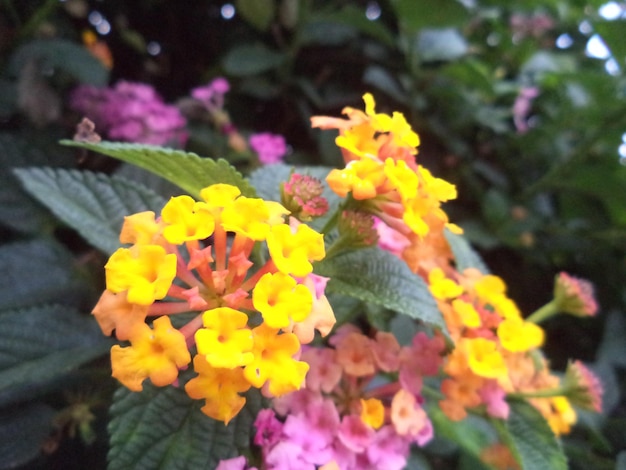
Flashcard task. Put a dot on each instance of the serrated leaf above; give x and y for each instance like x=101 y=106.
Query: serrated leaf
x=22 y=432
x=186 y=170
x=259 y=13
x=531 y=439
x=43 y=343
x=163 y=429
x=17 y=209
x=93 y=204
x=38 y=271
x=472 y=434
x=464 y=255
x=377 y=276
x=251 y=59
x=64 y=55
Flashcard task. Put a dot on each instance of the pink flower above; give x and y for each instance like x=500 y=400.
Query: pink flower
x=212 y=94
x=268 y=428
x=238 y=463
x=354 y=433
x=493 y=396
x=271 y=148
x=390 y=239
x=522 y=107
x=324 y=372
x=388 y=450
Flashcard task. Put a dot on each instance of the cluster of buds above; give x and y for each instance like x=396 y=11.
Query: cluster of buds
x=246 y=327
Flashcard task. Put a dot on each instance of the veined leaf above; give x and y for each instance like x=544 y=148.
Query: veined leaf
x=22 y=431
x=187 y=170
x=38 y=271
x=464 y=255
x=531 y=439
x=42 y=343
x=91 y=203
x=162 y=428
x=383 y=279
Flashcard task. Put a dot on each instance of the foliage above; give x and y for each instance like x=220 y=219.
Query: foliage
x=510 y=106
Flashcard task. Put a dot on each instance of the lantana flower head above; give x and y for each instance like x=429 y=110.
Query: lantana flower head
x=195 y=258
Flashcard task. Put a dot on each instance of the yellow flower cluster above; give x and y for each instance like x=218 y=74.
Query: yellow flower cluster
x=379 y=151
x=246 y=327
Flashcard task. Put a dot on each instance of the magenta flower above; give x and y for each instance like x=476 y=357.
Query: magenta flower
x=271 y=148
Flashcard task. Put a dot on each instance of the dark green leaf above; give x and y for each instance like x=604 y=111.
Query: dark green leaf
x=162 y=428
x=259 y=13
x=22 y=432
x=464 y=255
x=42 y=343
x=472 y=434
x=531 y=439
x=613 y=33
x=440 y=45
x=354 y=17
x=249 y=59
x=38 y=271
x=186 y=170
x=418 y=14
x=383 y=279
x=385 y=81
x=17 y=209
x=91 y=203
x=60 y=54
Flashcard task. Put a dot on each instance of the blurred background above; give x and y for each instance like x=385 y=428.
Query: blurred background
x=521 y=104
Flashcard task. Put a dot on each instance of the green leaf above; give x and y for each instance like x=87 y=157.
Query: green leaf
x=464 y=255
x=39 y=271
x=472 y=434
x=414 y=15
x=17 y=209
x=251 y=59
x=42 y=343
x=93 y=204
x=22 y=432
x=162 y=428
x=531 y=439
x=60 y=54
x=354 y=17
x=444 y=44
x=613 y=33
x=259 y=13
x=383 y=279
x=186 y=170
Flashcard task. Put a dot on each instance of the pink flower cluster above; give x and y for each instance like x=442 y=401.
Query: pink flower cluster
x=212 y=94
x=348 y=417
x=271 y=148
x=132 y=112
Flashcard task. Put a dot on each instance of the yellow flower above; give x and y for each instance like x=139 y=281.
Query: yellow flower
x=114 y=312
x=402 y=178
x=516 y=335
x=140 y=228
x=361 y=177
x=441 y=287
x=273 y=362
x=372 y=412
x=468 y=314
x=155 y=353
x=484 y=359
x=219 y=196
x=146 y=271
x=280 y=299
x=292 y=253
x=225 y=341
x=251 y=217
x=219 y=387
x=186 y=219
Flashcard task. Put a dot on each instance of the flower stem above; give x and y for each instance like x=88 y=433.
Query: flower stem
x=544 y=312
x=546 y=393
